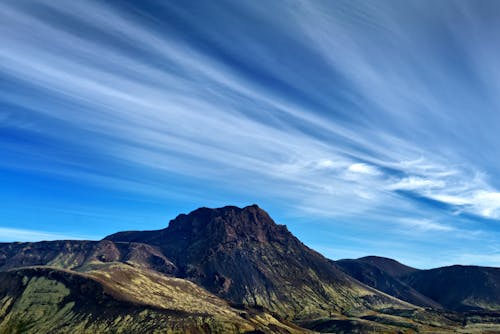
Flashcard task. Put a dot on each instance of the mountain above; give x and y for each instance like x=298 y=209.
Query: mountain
x=386 y=275
x=224 y=270
x=456 y=288
x=459 y=288
x=242 y=255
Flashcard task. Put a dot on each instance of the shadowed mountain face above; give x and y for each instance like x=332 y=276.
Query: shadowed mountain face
x=457 y=288
x=386 y=275
x=82 y=255
x=243 y=256
x=389 y=266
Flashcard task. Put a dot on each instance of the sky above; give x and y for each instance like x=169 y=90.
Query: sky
x=367 y=127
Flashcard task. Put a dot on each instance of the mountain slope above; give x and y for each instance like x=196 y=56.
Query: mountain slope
x=385 y=275
x=82 y=255
x=242 y=255
x=459 y=288
x=120 y=299
x=389 y=266
x=456 y=288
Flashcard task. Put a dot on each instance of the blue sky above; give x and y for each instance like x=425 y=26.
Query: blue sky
x=367 y=127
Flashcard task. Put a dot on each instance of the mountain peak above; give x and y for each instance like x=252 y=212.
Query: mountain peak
x=212 y=227
x=206 y=213
x=227 y=224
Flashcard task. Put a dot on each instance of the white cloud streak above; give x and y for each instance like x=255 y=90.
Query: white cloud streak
x=8 y=234
x=424 y=225
x=188 y=118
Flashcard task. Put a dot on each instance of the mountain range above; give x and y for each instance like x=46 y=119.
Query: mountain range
x=231 y=270
x=457 y=288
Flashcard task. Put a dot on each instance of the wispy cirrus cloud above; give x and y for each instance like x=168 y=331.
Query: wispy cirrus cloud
x=14 y=234
x=370 y=116
x=423 y=225
x=160 y=124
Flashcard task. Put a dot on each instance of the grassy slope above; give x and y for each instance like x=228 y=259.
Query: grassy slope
x=118 y=299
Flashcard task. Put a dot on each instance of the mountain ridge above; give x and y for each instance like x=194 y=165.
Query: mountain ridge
x=455 y=287
x=237 y=262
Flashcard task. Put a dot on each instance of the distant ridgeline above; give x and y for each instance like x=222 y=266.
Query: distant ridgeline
x=231 y=270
